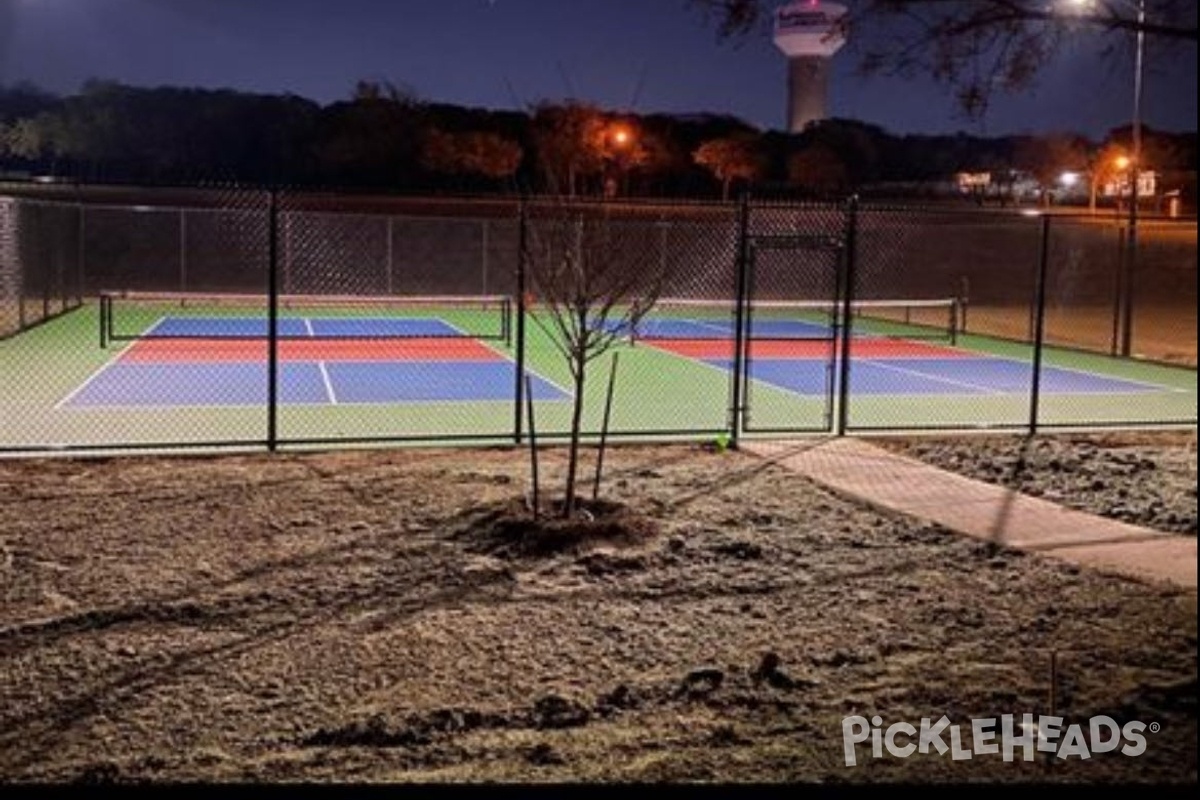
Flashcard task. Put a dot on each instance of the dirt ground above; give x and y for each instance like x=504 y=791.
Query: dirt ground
x=333 y=617
x=1146 y=479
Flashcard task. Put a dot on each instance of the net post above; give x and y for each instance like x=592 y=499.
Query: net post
x=1039 y=330
x=739 y=333
x=847 y=312
x=103 y=309
x=522 y=255
x=953 y=321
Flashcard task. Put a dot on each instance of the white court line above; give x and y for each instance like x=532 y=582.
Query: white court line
x=1102 y=376
x=153 y=328
x=328 y=383
x=917 y=373
x=727 y=372
x=78 y=390
x=503 y=357
x=723 y=327
x=308 y=326
x=990 y=391
x=1076 y=370
x=984 y=356
x=92 y=378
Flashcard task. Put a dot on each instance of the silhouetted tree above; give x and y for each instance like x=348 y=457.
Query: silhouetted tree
x=730 y=159
x=570 y=144
x=382 y=90
x=474 y=153
x=24 y=101
x=23 y=139
x=373 y=140
x=1046 y=158
x=818 y=169
x=857 y=145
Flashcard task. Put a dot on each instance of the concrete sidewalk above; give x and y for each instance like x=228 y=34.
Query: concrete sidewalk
x=985 y=511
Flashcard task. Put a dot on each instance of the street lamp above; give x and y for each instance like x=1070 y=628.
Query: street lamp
x=1135 y=167
x=621 y=137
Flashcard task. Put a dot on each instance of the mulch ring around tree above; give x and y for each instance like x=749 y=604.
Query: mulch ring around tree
x=511 y=529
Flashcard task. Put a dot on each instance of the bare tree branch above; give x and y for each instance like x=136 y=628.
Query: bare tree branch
x=593 y=278
x=977 y=47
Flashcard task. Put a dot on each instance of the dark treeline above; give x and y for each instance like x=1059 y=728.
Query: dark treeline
x=383 y=138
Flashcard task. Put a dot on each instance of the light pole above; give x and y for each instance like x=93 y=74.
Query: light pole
x=1135 y=168
x=621 y=143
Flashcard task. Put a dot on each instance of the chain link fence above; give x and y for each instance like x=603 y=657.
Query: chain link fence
x=254 y=318
x=40 y=262
x=979 y=267
x=685 y=258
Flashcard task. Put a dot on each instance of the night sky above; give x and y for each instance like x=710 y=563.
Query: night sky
x=641 y=55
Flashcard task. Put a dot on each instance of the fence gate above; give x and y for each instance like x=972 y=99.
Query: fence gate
x=789 y=335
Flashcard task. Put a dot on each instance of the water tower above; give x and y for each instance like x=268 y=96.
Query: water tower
x=808 y=32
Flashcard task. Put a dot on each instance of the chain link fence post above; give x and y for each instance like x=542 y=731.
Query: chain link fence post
x=737 y=390
x=849 y=279
x=1039 y=329
x=522 y=255
x=273 y=321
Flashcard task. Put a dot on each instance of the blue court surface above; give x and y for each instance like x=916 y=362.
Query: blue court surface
x=933 y=376
x=230 y=384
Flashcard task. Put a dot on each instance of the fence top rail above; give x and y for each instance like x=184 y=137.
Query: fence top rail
x=40 y=201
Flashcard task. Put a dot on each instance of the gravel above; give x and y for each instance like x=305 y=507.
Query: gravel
x=1146 y=479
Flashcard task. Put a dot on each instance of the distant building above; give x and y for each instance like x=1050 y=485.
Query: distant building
x=1117 y=186
x=1010 y=184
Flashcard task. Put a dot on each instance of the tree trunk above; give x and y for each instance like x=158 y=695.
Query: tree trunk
x=573 y=456
x=725 y=190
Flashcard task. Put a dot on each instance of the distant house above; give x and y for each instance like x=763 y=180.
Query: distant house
x=1118 y=185
x=1008 y=185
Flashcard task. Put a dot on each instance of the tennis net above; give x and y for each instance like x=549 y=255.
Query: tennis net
x=126 y=316
x=680 y=318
